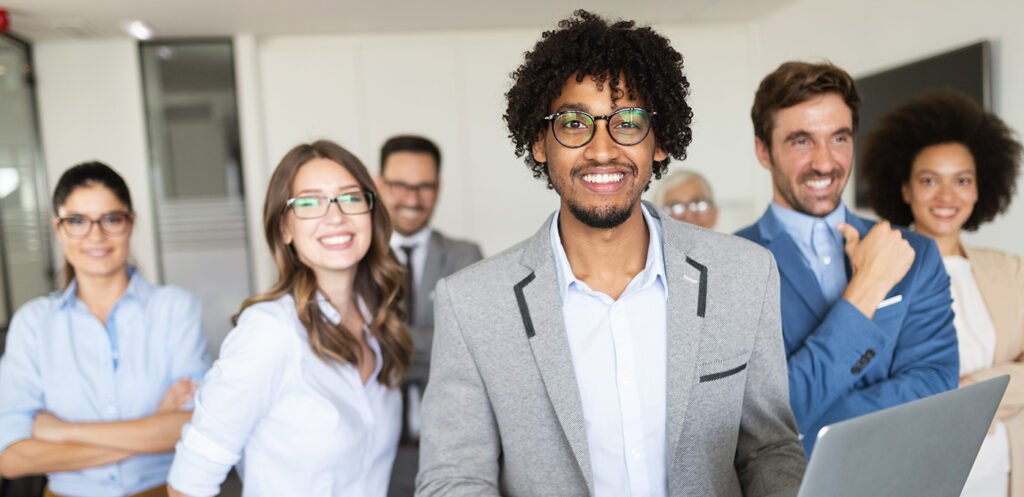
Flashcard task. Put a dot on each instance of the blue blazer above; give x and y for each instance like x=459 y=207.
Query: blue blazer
x=842 y=364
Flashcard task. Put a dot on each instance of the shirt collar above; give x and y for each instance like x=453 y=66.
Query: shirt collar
x=138 y=288
x=800 y=226
x=416 y=239
x=654 y=268
x=332 y=314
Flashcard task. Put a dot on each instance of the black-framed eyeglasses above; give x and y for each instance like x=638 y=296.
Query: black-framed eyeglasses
x=314 y=206
x=680 y=209
x=575 y=128
x=111 y=224
x=402 y=188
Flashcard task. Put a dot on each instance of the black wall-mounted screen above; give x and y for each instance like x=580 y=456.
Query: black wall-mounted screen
x=965 y=69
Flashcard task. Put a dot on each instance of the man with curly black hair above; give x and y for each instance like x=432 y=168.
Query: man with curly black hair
x=617 y=351
x=865 y=306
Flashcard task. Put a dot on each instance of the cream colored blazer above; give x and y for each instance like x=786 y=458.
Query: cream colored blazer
x=1000 y=278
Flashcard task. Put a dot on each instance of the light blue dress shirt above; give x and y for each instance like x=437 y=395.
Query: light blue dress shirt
x=59 y=358
x=619 y=354
x=821 y=244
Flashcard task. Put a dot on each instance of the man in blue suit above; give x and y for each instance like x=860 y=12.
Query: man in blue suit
x=866 y=314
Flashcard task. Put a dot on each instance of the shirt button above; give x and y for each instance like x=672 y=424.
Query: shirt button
x=634 y=453
x=625 y=381
x=827 y=260
x=111 y=410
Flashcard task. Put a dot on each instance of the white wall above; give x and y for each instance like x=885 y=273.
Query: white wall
x=91 y=108
x=867 y=36
x=359 y=90
x=450 y=86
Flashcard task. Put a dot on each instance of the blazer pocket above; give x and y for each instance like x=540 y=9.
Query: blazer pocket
x=718 y=370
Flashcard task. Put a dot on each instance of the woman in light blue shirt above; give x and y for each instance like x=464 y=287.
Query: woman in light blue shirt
x=304 y=392
x=94 y=378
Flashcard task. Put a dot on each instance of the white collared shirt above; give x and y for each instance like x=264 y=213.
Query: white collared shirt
x=299 y=425
x=419 y=240
x=619 y=354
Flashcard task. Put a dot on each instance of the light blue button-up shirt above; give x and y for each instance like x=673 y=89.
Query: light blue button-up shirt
x=619 y=354
x=821 y=244
x=61 y=359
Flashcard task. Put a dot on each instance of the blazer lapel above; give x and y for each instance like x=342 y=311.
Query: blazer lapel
x=540 y=307
x=791 y=264
x=687 y=277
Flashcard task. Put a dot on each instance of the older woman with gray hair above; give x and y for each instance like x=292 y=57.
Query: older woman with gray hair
x=686 y=196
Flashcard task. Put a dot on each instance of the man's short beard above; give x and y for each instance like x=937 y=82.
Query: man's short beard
x=795 y=202
x=606 y=218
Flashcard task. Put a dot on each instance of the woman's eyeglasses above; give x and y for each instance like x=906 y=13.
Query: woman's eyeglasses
x=314 y=206
x=111 y=224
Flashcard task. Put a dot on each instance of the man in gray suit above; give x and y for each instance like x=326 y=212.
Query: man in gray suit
x=409 y=183
x=616 y=352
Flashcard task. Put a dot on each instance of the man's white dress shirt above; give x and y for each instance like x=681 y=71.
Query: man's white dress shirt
x=619 y=353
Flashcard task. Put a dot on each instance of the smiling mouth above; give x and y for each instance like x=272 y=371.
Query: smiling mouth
x=603 y=178
x=944 y=212
x=98 y=253
x=336 y=241
x=819 y=183
x=409 y=212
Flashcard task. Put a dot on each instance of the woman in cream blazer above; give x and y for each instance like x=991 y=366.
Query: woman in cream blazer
x=943 y=164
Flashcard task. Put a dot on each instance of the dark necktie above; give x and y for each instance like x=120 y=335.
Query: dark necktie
x=408 y=283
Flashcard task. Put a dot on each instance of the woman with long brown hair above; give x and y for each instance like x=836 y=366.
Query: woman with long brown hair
x=305 y=386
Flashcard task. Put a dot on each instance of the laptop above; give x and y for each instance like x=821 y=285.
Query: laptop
x=924 y=448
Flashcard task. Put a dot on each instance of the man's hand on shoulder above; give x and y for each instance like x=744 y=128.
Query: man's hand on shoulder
x=878 y=262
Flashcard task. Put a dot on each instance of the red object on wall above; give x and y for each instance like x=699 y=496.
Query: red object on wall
x=5 y=21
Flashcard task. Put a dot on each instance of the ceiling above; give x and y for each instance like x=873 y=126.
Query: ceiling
x=70 y=19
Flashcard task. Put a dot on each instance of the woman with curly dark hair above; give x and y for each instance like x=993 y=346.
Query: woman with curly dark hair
x=306 y=384
x=943 y=165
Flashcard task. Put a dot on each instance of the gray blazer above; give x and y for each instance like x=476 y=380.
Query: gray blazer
x=502 y=413
x=445 y=256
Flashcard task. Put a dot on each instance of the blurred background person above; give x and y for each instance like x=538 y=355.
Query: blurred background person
x=94 y=378
x=943 y=165
x=410 y=184
x=687 y=197
x=306 y=385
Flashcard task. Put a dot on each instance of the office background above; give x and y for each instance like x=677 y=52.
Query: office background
x=359 y=80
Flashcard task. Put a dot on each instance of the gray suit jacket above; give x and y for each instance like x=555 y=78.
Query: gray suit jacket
x=503 y=416
x=445 y=256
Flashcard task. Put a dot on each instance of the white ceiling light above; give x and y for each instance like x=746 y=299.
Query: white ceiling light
x=139 y=30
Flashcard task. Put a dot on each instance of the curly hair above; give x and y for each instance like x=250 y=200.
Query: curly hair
x=938 y=117
x=586 y=45
x=794 y=83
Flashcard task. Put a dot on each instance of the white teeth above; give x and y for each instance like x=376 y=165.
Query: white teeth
x=819 y=183
x=603 y=178
x=336 y=240
x=944 y=212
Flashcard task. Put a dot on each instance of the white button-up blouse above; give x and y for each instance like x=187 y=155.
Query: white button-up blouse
x=294 y=424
